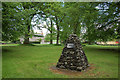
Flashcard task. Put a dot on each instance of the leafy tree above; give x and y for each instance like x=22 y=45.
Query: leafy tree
x=48 y=37
x=11 y=23
x=108 y=21
x=89 y=21
x=17 y=19
x=56 y=10
x=100 y=20
x=28 y=12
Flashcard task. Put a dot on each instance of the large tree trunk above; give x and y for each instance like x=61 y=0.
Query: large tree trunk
x=57 y=42
x=26 y=40
x=57 y=35
x=51 y=40
x=75 y=29
x=89 y=35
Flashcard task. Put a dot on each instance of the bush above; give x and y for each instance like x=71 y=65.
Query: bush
x=40 y=40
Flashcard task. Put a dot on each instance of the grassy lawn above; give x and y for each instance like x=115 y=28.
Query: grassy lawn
x=9 y=45
x=35 y=61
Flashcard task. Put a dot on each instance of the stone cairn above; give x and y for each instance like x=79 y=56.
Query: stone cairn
x=73 y=57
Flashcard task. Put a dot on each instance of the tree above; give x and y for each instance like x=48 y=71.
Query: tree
x=50 y=27
x=100 y=20
x=89 y=21
x=108 y=21
x=29 y=12
x=48 y=37
x=17 y=19
x=56 y=10
x=11 y=23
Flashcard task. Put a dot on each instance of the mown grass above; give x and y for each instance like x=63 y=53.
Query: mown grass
x=35 y=61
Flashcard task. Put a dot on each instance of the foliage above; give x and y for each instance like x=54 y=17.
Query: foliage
x=109 y=21
x=90 y=21
x=40 y=40
x=10 y=22
x=48 y=38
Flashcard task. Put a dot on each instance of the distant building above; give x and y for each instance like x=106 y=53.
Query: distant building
x=35 y=38
x=109 y=42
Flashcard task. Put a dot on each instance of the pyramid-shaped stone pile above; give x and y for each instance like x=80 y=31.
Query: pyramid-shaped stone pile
x=73 y=57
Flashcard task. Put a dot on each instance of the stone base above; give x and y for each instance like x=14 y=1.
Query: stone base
x=73 y=57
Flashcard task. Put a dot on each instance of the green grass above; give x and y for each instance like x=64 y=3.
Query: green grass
x=9 y=44
x=35 y=61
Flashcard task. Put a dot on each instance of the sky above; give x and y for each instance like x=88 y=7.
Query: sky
x=36 y=30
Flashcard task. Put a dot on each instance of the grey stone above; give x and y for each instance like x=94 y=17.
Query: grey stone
x=73 y=56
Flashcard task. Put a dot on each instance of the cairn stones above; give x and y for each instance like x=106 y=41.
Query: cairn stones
x=73 y=57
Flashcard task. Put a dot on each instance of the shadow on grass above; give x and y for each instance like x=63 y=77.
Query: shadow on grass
x=27 y=45
x=6 y=50
x=108 y=49
x=47 y=45
x=103 y=48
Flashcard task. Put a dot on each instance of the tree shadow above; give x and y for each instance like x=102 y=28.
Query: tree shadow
x=108 y=49
x=48 y=45
x=103 y=49
x=6 y=50
x=27 y=45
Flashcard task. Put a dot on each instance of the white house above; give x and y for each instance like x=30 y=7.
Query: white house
x=35 y=37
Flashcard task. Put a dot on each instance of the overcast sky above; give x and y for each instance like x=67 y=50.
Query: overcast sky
x=36 y=30
x=40 y=23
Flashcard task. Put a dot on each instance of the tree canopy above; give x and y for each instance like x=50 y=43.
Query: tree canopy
x=90 y=21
